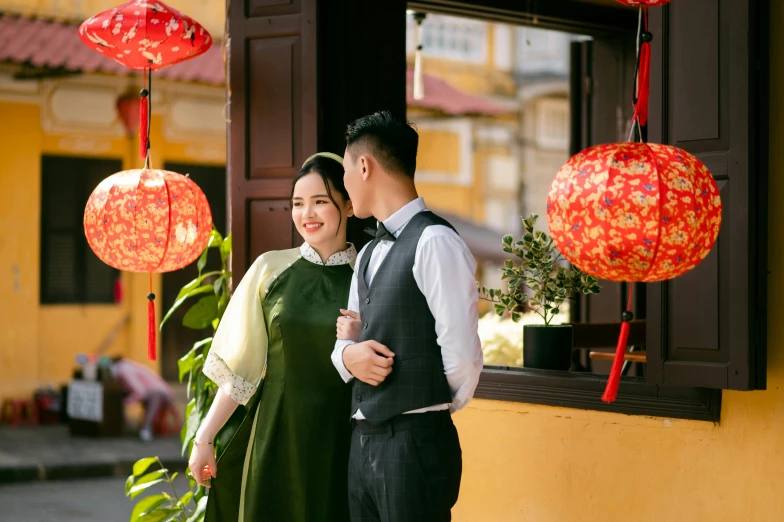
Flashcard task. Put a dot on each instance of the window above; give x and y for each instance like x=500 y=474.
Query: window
x=573 y=92
x=70 y=272
x=451 y=38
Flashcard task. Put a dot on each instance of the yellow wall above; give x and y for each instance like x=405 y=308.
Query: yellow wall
x=543 y=464
x=38 y=343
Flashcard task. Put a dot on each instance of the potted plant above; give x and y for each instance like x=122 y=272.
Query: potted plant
x=540 y=282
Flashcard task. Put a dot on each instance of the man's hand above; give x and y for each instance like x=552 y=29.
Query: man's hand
x=368 y=361
x=348 y=326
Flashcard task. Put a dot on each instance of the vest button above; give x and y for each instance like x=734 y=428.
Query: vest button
x=359 y=398
x=367 y=300
x=366 y=326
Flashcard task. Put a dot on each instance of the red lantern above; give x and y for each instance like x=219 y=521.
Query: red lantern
x=128 y=109
x=634 y=211
x=145 y=35
x=147 y=220
x=644 y=3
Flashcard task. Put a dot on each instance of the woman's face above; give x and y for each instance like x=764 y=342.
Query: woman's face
x=317 y=219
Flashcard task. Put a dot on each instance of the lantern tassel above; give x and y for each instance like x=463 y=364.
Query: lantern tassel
x=143 y=117
x=151 y=342
x=118 y=290
x=614 y=381
x=419 y=84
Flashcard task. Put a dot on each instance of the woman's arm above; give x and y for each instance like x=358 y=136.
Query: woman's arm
x=203 y=454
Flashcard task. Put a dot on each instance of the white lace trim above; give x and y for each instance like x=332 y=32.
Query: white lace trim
x=232 y=384
x=345 y=257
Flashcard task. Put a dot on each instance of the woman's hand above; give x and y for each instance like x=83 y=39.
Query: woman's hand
x=348 y=326
x=202 y=464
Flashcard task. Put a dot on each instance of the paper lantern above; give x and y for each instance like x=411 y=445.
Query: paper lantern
x=145 y=35
x=128 y=109
x=644 y=3
x=634 y=211
x=147 y=220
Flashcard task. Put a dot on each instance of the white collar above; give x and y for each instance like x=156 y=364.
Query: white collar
x=396 y=221
x=345 y=257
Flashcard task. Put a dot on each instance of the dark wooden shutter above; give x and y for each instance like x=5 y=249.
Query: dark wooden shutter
x=707 y=328
x=70 y=271
x=299 y=71
x=600 y=95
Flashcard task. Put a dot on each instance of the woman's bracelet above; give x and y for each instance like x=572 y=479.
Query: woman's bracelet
x=203 y=443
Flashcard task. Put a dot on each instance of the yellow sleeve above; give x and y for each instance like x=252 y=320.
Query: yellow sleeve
x=238 y=356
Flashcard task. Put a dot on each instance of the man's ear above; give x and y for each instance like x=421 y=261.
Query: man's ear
x=365 y=166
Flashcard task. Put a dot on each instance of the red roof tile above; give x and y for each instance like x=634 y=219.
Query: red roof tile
x=441 y=96
x=57 y=44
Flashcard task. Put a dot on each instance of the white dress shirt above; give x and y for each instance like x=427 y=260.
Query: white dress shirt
x=445 y=272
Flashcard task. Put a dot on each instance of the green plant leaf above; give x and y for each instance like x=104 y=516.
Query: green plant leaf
x=129 y=484
x=146 y=505
x=141 y=465
x=225 y=248
x=196 y=283
x=161 y=515
x=147 y=481
x=201 y=508
x=201 y=315
x=186 y=499
x=516 y=317
x=218 y=284
x=204 y=289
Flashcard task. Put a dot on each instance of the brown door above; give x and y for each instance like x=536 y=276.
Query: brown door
x=299 y=71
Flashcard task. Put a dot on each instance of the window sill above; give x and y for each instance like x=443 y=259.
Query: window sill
x=584 y=391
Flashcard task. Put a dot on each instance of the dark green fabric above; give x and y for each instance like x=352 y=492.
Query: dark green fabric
x=299 y=460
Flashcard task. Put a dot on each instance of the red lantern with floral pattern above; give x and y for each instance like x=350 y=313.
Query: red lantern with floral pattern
x=634 y=211
x=147 y=220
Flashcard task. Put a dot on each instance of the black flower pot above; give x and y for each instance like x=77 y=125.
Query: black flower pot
x=547 y=347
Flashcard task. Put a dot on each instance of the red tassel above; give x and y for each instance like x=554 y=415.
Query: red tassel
x=143 y=119
x=615 y=373
x=151 y=348
x=118 y=290
x=614 y=381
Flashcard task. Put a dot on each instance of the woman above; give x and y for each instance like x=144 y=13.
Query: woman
x=286 y=455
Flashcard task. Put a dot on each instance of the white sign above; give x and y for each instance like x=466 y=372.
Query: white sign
x=85 y=400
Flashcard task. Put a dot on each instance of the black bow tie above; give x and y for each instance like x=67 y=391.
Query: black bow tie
x=380 y=233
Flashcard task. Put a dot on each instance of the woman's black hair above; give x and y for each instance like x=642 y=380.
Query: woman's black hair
x=331 y=172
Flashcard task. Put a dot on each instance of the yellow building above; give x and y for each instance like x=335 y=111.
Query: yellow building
x=54 y=126
x=522 y=462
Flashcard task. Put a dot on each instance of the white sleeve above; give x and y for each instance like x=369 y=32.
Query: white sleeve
x=445 y=272
x=353 y=305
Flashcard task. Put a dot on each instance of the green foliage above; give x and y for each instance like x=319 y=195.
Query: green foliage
x=212 y=291
x=539 y=281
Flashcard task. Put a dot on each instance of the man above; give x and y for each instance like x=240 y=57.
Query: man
x=418 y=356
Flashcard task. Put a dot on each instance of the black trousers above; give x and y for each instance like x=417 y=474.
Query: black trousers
x=407 y=469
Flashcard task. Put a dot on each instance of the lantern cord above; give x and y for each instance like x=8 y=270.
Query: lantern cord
x=642 y=87
x=151 y=342
x=144 y=118
x=614 y=381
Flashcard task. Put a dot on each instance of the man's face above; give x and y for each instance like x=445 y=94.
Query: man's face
x=355 y=180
